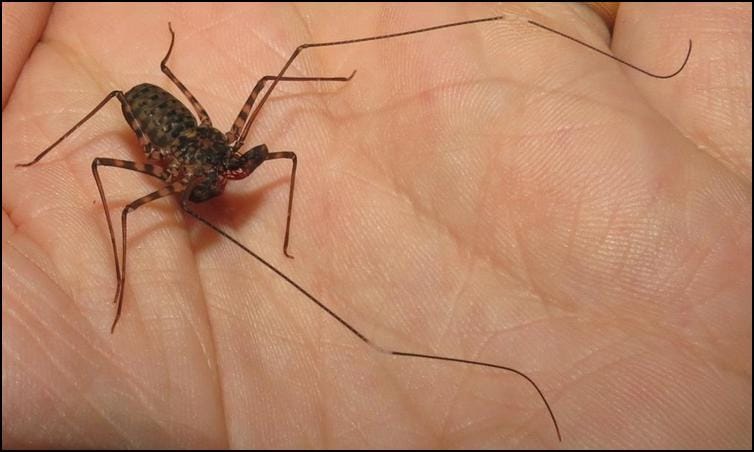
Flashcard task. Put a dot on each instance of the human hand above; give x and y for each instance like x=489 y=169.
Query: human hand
x=491 y=192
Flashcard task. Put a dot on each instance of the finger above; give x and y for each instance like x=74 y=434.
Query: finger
x=23 y=24
x=710 y=101
x=606 y=10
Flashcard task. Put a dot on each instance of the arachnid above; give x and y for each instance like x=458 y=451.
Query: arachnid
x=196 y=161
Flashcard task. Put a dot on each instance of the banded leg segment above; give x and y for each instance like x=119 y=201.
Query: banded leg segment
x=127 y=113
x=175 y=187
x=294 y=160
x=200 y=111
x=243 y=115
x=145 y=168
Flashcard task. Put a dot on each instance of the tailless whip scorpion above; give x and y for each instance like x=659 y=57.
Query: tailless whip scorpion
x=195 y=160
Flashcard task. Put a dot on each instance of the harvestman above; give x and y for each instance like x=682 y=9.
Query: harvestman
x=196 y=161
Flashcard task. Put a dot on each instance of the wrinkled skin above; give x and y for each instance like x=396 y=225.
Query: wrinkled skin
x=492 y=192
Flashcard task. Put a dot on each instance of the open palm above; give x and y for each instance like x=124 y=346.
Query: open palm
x=489 y=192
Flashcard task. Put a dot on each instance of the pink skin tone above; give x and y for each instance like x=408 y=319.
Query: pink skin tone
x=492 y=192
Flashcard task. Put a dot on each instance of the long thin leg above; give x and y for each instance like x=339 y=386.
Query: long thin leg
x=298 y=50
x=294 y=160
x=145 y=168
x=127 y=113
x=626 y=63
x=203 y=115
x=232 y=136
x=357 y=333
x=161 y=193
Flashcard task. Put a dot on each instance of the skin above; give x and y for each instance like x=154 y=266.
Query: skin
x=491 y=192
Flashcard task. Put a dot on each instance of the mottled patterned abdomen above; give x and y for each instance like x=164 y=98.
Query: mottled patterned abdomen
x=160 y=114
